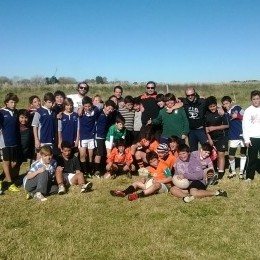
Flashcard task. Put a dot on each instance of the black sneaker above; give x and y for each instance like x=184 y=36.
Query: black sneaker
x=222 y=193
x=86 y=187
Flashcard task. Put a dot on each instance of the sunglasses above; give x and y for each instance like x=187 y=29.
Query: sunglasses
x=82 y=88
x=191 y=95
x=150 y=87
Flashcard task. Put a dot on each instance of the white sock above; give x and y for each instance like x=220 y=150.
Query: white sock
x=232 y=164
x=242 y=164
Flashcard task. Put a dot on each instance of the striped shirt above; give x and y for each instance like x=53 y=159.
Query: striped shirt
x=129 y=116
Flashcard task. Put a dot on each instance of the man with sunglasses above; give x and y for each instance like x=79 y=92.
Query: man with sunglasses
x=195 y=108
x=82 y=89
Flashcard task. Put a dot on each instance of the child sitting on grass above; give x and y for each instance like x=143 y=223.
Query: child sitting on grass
x=119 y=160
x=39 y=180
x=189 y=166
x=68 y=170
x=158 y=180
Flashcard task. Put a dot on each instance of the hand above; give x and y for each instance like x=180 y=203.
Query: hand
x=183 y=137
x=37 y=144
x=180 y=176
x=248 y=144
x=149 y=121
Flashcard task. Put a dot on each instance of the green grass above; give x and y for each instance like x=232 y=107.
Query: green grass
x=98 y=226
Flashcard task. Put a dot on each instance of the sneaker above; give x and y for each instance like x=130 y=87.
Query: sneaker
x=86 y=187
x=129 y=175
x=97 y=174
x=241 y=176
x=13 y=187
x=29 y=195
x=248 y=180
x=39 y=196
x=117 y=193
x=107 y=175
x=221 y=193
x=188 y=199
x=213 y=180
x=61 y=190
x=232 y=175
x=132 y=196
x=221 y=175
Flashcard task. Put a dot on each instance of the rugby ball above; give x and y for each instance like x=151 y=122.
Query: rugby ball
x=180 y=183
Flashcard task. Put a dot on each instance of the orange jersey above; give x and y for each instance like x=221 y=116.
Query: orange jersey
x=160 y=173
x=120 y=158
x=170 y=161
x=153 y=146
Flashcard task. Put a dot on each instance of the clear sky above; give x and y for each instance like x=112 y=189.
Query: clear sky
x=174 y=41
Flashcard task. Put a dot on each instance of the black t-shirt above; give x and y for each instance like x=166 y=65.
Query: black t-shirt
x=215 y=119
x=70 y=166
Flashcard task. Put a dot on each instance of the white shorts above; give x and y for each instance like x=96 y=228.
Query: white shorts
x=236 y=143
x=69 y=177
x=88 y=143
x=109 y=145
x=164 y=188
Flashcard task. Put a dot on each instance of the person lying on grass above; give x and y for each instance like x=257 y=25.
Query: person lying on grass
x=39 y=181
x=68 y=170
x=158 y=180
x=189 y=166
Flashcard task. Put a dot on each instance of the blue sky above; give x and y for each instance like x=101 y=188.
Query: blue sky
x=174 y=41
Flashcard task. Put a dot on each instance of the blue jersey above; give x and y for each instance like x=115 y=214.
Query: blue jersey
x=9 y=128
x=102 y=125
x=44 y=119
x=235 y=124
x=68 y=126
x=87 y=124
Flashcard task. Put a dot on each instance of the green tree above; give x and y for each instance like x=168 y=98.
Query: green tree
x=99 y=80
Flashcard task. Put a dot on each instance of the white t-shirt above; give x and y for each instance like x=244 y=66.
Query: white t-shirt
x=77 y=100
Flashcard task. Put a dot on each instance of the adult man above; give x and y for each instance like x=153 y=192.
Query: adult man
x=82 y=89
x=195 y=108
x=118 y=91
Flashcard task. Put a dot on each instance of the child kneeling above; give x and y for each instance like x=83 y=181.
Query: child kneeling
x=68 y=170
x=158 y=181
x=39 y=181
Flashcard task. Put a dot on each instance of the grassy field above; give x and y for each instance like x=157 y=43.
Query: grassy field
x=98 y=226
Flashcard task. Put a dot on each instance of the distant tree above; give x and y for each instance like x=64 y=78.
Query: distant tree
x=67 y=80
x=52 y=80
x=5 y=80
x=93 y=81
x=99 y=80
x=105 y=80
x=37 y=80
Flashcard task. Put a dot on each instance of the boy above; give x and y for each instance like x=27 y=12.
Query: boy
x=68 y=170
x=137 y=119
x=158 y=181
x=188 y=166
x=128 y=114
x=235 y=135
x=9 y=134
x=217 y=133
x=38 y=182
x=251 y=134
x=119 y=160
x=165 y=155
x=87 y=132
x=102 y=125
x=44 y=123
x=115 y=132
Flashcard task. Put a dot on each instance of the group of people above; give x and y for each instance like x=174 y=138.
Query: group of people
x=71 y=138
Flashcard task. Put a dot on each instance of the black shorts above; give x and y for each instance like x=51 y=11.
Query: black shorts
x=101 y=147
x=197 y=185
x=221 y=144
x=10 y=154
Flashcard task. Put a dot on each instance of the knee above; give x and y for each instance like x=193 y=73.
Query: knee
x=157 y=186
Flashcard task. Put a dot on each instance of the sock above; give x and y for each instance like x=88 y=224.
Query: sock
x=83 y=167
x=140 y=163
x=242 y=164
x=232 y=166
x=141 y=194
x=90 y=165
x=129 y=190
x=220 y=174
x=97 y=166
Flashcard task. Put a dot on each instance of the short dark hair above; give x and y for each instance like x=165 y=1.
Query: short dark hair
x=211 y=101
x=169 y=96
x=31 y=98
x=255 y=93
x=66 y=144
x=23 y=112
x=59 y=93
x=110 y=103
x=120 y=142
x=160 y=97
x=151 y=155
x=183 y=148
x=226 y=98
x=11 y=96
x=118 y=87
x=68 y=101
x=48 y=97
x=129 y=99
x=86 y=100
x=120 y=119
x=151 y=82
x=207 y=147
x=137 y=100
x=176 y=139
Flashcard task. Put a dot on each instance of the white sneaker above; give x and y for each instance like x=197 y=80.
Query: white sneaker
x=61 y=190
x=241 y=176
x=39 y=196
x=86 y=187
x=188 y=199
x=248 y=180
x=232 y=175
